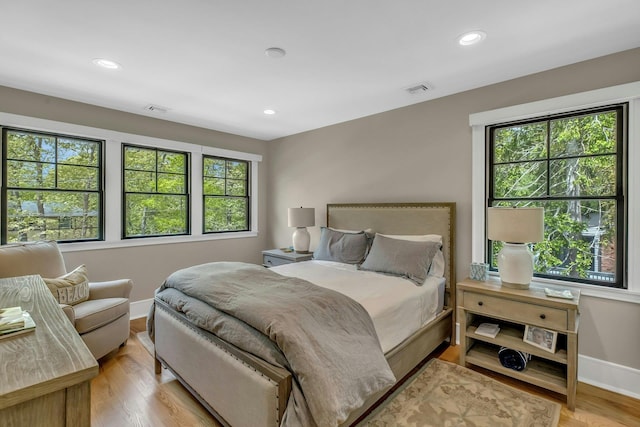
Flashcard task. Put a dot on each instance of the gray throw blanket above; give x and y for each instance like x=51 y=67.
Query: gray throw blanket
x=326 y=339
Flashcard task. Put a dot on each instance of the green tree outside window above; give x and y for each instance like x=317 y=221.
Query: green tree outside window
x=225 y=184
x=52 y=188
x=573 y=166
x=155 y=187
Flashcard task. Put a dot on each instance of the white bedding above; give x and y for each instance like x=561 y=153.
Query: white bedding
x=397 y=306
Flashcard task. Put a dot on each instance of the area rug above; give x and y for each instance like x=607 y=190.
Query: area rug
x=444 y=394
x=146 y=342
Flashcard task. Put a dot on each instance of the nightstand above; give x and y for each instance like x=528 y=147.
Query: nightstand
x=512 y=309
x=273 y=257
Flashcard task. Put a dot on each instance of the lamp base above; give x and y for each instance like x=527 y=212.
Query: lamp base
x=514 y=285
x=515 y=265
x=301 y=240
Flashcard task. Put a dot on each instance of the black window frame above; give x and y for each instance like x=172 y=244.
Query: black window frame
x=100 y=190
x=187 y=190
x=226 y=196
x=622 y=132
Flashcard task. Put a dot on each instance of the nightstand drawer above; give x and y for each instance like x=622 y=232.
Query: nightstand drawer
x=272 y=261
x=551 y=318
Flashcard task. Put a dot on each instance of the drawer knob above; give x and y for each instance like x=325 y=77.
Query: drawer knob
x=543 y=316
x=480 y=303
x=269 y=261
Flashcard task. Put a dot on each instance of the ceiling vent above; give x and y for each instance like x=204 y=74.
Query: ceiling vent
x=156 y=108
x=419 y=89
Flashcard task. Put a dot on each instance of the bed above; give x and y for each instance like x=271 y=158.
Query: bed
x=240 y=389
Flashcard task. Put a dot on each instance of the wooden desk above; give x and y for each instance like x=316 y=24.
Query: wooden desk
x=45 y=375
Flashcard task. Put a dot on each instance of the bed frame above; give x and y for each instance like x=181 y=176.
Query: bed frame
x=241 y=390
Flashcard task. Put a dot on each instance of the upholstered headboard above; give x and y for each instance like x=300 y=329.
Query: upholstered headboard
x=403 y=218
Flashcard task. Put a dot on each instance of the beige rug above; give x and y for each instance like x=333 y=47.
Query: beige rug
x=146 y=342
x=444 y=394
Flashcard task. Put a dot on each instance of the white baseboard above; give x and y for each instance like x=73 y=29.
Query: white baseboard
x=140 y=308
x=600 y=373
x=610 y=376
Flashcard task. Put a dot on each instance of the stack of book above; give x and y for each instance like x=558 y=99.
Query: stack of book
x=488 y=329
x=14 y=320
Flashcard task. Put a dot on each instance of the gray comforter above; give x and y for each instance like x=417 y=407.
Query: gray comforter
x=324 y=338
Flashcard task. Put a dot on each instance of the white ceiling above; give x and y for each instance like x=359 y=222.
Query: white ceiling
x=204 y=59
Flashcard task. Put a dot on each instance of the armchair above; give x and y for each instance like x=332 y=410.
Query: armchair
x=102 y=321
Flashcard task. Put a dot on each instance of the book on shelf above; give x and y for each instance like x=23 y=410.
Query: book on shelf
x=488 y=329
x=27 y=325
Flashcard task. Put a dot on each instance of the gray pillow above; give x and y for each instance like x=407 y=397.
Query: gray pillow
x=349 y=248
x=401 y=258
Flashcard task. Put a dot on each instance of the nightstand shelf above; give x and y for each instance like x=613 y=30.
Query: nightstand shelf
x=510 y=336
x=538 y=371
x=273 y=257
x=513 y=309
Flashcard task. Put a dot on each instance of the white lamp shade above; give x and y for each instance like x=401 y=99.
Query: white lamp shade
x=302 y=217
x=515 y=225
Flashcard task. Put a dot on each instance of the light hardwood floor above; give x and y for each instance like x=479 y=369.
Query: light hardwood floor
x=128 y=393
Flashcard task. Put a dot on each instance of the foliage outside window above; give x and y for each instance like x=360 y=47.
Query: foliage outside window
x=156 y=197
x=572 y=165
x=225 y=184
x=52 y=187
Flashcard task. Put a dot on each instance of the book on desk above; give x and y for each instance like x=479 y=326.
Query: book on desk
x=15 y=321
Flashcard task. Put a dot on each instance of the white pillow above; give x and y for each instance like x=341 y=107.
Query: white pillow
x=438 y=263
x=366 y=230
x=416 y=237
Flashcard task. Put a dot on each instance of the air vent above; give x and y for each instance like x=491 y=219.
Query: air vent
x=156 y=108
x=418 y=89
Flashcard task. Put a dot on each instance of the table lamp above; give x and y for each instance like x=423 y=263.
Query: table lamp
x=301 y=218
x=515 y=227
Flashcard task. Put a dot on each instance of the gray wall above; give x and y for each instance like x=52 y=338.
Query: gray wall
x=423 y=153
x=147 y=266
x=417 y=153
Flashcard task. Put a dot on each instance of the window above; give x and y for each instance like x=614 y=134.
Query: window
x=156 y=196
x=106 y=181
x=52 y=187
x=573 y=165
x=225 y=184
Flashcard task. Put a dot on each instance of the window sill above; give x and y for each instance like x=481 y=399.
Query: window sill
x=603 y=292
x=152 y=241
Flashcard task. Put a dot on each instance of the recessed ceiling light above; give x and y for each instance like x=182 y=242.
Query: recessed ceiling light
x=107 y=63
x=472 y=37
x=269 y=112
x=275 y=52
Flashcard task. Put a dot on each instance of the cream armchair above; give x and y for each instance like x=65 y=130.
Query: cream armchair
x=102 y=321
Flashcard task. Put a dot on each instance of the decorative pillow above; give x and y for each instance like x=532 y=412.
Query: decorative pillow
x=398 y=257
x=437 y=264
x=72 y=288
x=349 y=248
